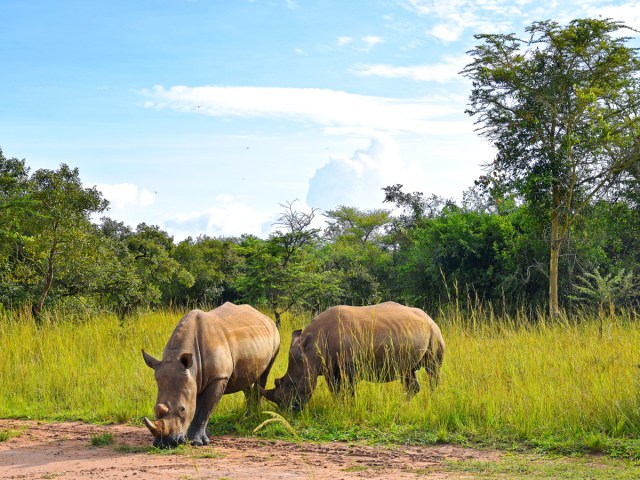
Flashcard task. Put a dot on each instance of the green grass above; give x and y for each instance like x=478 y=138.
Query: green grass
x=102 y=440
x=542 y=467
x=554 y=387
x=7 y=434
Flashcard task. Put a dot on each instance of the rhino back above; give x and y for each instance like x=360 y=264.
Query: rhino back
x=232 y=341
x=387 y=332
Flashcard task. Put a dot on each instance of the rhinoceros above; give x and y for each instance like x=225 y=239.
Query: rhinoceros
x=380 y=343
x=209 y=354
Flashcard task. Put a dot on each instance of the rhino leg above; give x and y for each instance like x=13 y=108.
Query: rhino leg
x=410 y=383
x=205 y=403
x=341 y=379
x=262 y=381
x=252 y=396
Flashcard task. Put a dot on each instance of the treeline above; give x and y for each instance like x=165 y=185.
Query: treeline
x=423 y=251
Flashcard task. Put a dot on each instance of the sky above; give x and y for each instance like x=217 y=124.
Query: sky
x=205 y=117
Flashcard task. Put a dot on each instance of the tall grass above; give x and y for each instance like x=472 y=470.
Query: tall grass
x=553 y=385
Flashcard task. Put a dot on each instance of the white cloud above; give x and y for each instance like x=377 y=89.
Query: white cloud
x=229 y=217
x=629 y=13
x=300 y=51
x=342 y=41
x=358 y=180
x=453 y=17
x=336 y=111
x=438 y=72
x=372 y=40
x=123 y=196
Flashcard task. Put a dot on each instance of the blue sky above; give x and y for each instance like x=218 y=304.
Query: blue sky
x=203 y=116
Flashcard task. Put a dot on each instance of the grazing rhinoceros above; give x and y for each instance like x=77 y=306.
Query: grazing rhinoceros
x=379 y=343
x=228 y=349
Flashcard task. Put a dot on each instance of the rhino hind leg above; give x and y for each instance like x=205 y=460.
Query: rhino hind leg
x=205 y=403
x=410 y=383
x=252 y=394
x=262 y=381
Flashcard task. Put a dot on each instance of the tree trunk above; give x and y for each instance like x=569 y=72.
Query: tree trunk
x=48 y=281
x=554 y=258
x=277 y=315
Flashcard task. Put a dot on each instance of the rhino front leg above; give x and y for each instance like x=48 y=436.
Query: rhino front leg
x=205 y=403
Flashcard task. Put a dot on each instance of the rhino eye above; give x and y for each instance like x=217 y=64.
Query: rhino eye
x=182 y=410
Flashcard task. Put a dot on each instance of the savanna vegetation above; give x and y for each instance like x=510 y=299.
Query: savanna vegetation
x=555 y=386
x=533 y=276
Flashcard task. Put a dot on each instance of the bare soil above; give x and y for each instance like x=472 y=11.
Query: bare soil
x=64 y=450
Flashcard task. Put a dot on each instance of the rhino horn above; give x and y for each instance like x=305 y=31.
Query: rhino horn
x=150 y=425
x=161 y=409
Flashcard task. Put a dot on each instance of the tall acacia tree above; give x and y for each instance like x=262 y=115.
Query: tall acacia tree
x=562 y=110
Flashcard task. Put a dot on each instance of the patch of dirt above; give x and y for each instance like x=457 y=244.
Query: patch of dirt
x=64 y=450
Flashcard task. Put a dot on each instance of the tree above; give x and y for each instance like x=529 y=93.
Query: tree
x=214 y=263
x=562 y=110
x=357 y=252
x=354 y=223
x=56 y=228
x=284 y=271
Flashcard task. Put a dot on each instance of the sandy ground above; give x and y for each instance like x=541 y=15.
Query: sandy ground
x=64 y=450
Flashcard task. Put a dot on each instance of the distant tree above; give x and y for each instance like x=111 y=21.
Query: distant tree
x=15 y=196
x=56 y=228
x=351 y=222
x=214 y=264
x=283 y=271
x=357 y=253
x=151 y=249
x=562 y=110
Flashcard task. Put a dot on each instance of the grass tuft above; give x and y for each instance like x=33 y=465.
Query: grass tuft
x=7 y=434
x=275 y=418
x=102 y=439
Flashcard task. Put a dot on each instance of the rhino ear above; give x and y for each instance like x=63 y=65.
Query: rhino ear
x=186 y=359
x=295 y=335
x=150 y=361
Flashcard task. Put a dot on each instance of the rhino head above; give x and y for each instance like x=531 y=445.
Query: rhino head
x=176 y=402
x=294 y=389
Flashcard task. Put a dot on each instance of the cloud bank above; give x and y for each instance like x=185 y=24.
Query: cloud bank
x=336 y=111
x=123 y=196
x=454 y=18
x=229 y=217
x=438 y=72
x=358 y=180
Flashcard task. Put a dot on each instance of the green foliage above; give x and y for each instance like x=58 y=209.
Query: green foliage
x=214 y=264
x=562 y=110
x=610 y=289
x=54 y=231
x=356 y=252
x=283 y=272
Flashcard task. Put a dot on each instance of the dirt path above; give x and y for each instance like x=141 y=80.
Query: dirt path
x=64 y=450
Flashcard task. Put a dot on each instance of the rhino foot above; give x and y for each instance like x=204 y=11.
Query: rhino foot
x=200 y=439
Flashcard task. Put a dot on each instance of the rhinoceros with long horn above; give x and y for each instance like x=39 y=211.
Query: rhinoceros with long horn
x=380 y=343
x=209 y=354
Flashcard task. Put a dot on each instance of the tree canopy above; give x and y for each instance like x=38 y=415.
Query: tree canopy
x=561 y=107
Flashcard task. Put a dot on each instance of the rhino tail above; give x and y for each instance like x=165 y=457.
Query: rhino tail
x=434 y=357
